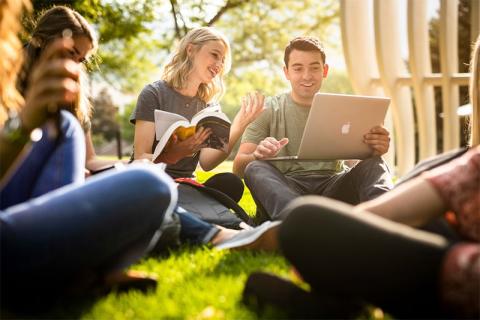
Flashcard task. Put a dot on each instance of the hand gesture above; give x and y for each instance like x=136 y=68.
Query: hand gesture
x=378 y=139
x=269 y=147
x=53 y=82
x=252 y=107
x=178 y=149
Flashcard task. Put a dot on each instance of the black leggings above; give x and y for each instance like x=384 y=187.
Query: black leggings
x=364 y=257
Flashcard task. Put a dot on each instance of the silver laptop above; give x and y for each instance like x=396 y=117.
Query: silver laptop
x=336 y=125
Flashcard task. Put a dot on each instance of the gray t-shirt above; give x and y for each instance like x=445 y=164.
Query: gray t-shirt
x=283 y=118
x=158 y=95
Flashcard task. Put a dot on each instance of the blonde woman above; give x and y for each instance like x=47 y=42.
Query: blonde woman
x=192 y=80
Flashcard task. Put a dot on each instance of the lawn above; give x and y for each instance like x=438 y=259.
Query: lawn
x=193 y=283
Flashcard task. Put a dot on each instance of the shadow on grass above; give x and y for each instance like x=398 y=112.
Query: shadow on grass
x=49 y=308
x=60 y=306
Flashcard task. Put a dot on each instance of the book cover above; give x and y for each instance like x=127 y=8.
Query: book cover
x=167 y=124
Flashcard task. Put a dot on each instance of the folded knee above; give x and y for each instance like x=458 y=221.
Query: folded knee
x=372 y=162
x=154 y=187
x=313 y=217
x=253 y=168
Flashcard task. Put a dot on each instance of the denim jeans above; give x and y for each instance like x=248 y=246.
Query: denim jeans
x=194 y=230
x=49 y=164
x=94 y=228
x=273 y=191
x=56 y=230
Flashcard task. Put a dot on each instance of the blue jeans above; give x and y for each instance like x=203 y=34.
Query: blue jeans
x=49 y=164
x=94 y=228
x=193 y=230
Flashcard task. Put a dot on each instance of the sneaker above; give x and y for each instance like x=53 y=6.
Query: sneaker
x=263 y=237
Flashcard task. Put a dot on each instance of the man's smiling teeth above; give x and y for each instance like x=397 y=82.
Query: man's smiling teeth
x=307 y=84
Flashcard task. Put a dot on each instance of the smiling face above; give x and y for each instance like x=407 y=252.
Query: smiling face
x=208 y=61
x=305 y=71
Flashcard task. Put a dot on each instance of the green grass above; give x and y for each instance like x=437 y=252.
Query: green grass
x=193 y=283
x=196 y=283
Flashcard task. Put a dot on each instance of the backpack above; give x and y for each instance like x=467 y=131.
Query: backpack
x=211 y=205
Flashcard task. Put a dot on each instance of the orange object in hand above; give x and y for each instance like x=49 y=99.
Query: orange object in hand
x=184 y=133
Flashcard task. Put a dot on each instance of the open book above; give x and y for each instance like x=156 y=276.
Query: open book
x=167 y=124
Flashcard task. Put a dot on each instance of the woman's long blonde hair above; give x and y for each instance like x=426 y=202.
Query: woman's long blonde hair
x=178 y=68
x=475 y=95
x=11 y=60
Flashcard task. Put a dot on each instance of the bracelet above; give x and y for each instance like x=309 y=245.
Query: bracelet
x=14 y=132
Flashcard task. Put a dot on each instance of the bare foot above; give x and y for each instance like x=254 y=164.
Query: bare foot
x=223 y=235
x=263 y=237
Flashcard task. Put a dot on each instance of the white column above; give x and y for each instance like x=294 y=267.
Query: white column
x=421 y=66
x=358 y=41
x=392 y=67
x=449 y=66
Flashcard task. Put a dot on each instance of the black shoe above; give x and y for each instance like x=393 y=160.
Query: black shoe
x=263 y=289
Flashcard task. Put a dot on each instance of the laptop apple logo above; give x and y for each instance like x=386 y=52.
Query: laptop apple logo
x=346 y=128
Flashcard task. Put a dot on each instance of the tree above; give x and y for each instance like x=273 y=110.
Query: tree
x=104 y=119
x=136 y=36
x=126 y=40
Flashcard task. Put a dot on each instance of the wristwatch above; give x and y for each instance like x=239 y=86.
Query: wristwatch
x=14 y=132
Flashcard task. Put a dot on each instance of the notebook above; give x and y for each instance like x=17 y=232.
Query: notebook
x=335 y=127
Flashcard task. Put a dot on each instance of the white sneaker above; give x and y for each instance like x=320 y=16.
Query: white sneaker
x=263 y=237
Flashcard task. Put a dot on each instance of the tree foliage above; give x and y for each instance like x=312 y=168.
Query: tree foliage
x=136 y=36
x=104 y=121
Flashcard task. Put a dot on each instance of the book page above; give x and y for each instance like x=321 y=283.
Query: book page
x=220 y=135
x=163 y=120
x=165 y=124
x=205 y=113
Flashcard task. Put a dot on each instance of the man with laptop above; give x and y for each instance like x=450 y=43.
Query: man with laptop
x=279 y=131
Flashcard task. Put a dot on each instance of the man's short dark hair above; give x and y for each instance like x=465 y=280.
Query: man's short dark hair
x=304 y=44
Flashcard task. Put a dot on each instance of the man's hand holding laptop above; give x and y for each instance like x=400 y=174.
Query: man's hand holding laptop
x=378 y=139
